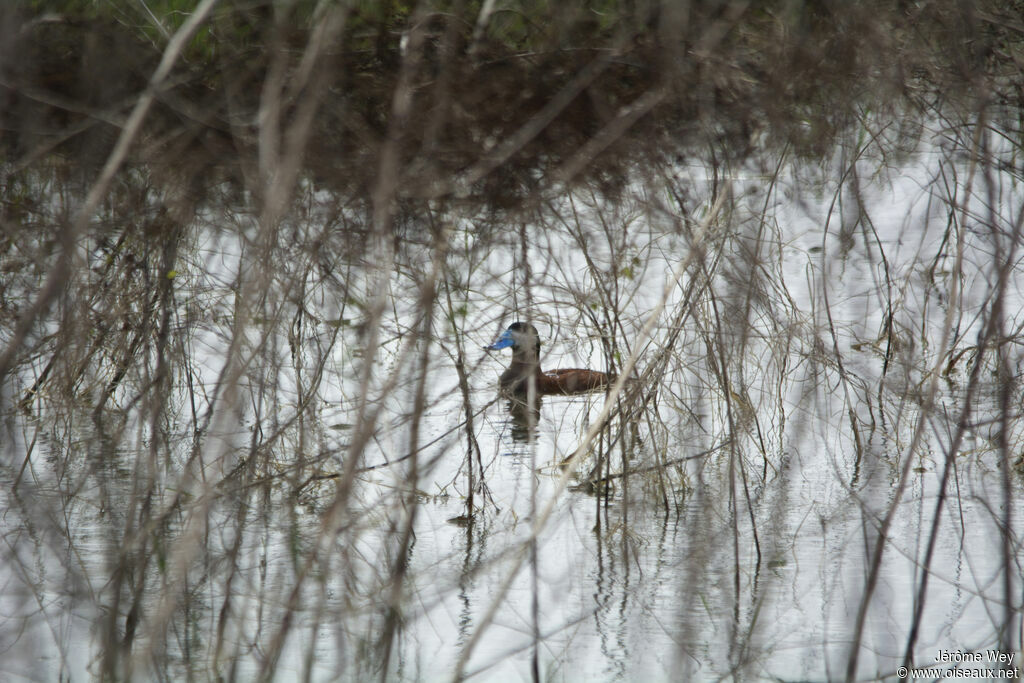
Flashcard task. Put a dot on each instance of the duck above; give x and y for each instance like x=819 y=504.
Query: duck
x=525 y=343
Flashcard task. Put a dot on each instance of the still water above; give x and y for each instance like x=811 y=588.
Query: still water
x=794 y=417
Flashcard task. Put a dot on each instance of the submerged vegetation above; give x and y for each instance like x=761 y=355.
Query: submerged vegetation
x=251 y=252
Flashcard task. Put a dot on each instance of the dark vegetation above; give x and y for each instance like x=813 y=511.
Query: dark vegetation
x=488 y=107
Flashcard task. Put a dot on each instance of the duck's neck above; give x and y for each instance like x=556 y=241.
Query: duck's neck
x=524 y=364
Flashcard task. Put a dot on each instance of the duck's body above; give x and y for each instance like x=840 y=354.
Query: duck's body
x=525 y=343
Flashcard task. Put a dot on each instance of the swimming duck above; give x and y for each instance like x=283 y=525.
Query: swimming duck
x=525 y=343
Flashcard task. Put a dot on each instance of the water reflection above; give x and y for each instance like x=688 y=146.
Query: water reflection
x=685 y=557
x=524 y=416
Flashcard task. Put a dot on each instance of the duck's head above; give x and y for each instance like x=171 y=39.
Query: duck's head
x=522 y=337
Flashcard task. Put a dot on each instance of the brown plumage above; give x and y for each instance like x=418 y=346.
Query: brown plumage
x=525 y=343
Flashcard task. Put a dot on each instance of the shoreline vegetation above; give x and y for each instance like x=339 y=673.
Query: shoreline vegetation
x=489 y=104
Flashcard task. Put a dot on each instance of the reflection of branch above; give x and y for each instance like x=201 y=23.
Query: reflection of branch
x=928 y=402
x=657 y=467
x=369 y=468
x=544 y=513
x=61 y=271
